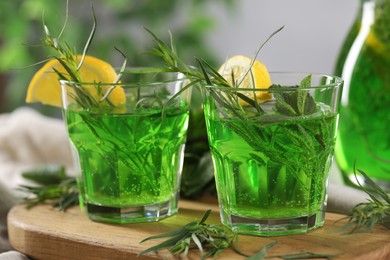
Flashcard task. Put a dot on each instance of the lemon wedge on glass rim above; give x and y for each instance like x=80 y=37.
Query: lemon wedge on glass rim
x=258 y=77
x=45 y=87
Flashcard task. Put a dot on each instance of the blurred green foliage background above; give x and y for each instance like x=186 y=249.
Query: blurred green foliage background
x=120 y=24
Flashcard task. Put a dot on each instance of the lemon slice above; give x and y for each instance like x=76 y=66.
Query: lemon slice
x=258 y=77
x=46 y=89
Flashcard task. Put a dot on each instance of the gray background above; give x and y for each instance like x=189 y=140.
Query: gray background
x=310 y=42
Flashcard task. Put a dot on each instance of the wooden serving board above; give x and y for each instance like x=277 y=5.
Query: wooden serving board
x=45 y=233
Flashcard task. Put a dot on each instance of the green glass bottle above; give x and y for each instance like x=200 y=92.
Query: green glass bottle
x=364 y=127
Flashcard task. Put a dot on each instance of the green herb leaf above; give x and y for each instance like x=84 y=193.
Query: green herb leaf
x=46 y=174
x=259 y=49
x=305 y=102
x=170 y=233
x=303 y=255
x=206 y=76
x=296 y=102
x=364 y=216
x=208 y=238
x=170 y=243
x=205 y=216
x=283 y=103
x=306 y=82
x=263 y=252
x=54 y=187
x=68 y=59
x=205 y=73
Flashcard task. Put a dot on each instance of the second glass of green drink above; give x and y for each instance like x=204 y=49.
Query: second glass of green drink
x=272 y=158
x=128 y=145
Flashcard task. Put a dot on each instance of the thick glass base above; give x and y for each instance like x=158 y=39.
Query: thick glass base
x=134 y=214
x=274 y=227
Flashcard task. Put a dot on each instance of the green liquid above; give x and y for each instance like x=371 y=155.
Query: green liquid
x=274 y=169
x=364 y=131
x=128 y=159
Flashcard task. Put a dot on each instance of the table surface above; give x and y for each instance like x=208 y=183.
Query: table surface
x=45 y=233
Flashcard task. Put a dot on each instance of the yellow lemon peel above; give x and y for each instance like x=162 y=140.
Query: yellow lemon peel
x=46 y=89
x=258 y=77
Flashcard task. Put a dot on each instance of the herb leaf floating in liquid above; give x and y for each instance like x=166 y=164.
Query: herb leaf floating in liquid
x=295 y=103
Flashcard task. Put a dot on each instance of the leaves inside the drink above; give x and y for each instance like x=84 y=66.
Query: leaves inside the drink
x=290 y=102
x=297 y=102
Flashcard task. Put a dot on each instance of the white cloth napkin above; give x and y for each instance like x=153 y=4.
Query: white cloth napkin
x=13 y=255
x=27 y=140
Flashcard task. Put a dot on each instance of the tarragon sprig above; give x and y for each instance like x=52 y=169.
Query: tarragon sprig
x=295 y=103
x=300 y=255
x=364 y=216
x=53 y=186
x=210 y=239
x=65 y=54
x=206 y=74
x=68 y=59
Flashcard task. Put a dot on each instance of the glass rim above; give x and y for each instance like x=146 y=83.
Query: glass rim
x=283 y=88
x=134 y=71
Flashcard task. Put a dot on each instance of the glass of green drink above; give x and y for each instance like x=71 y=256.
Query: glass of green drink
x=272 y=157
x=128 y=144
